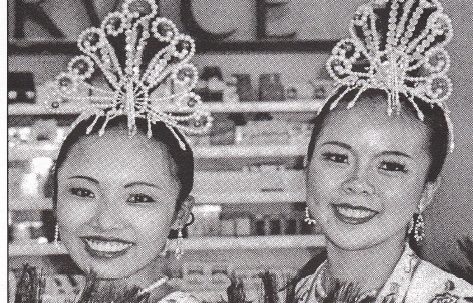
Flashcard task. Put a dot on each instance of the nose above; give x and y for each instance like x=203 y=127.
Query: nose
x=106 y=217
x=358 y=183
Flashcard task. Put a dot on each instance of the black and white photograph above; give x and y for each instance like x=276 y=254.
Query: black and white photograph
x=245 y=151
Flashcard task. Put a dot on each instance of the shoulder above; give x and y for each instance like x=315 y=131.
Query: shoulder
x=179 y=297
x=432 y=284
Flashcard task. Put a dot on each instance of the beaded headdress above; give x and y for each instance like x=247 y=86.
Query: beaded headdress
x=405 y=56
x=143 y=68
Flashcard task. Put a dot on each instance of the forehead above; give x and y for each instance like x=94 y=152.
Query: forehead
x=368 y=126
x=118 y=156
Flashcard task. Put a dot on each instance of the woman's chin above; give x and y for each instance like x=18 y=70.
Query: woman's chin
x=349 y=240
x=108 y=272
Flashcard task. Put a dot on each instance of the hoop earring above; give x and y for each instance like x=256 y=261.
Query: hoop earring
x=307 y=218
x=56 y=235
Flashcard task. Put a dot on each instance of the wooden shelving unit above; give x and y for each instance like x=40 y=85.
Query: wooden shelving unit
x=214 y=107
x=221 y=198
x=194 y=244
x=25 y=152
x=19 y=47
x=288 y=195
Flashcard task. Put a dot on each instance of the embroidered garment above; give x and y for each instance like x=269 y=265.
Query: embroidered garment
x=179 y=297
x=413 y=280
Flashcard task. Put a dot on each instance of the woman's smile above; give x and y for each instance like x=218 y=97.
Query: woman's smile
x=103 y=247
x=351 y=214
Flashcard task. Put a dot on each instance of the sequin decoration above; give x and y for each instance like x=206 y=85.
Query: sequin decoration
x=131 y=55
x=406 y=56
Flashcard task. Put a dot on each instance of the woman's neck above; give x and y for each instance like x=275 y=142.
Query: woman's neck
x=367 y=268
x=148 y=276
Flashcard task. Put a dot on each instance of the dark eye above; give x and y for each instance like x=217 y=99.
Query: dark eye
x=81 y=192
x=334 y=157
x=393 y=166
x=139 y=198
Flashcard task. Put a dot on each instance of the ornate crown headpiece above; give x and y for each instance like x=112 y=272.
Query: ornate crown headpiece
x=144 y=61
x=405 y=56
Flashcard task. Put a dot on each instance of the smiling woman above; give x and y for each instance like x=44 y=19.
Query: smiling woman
x=125 y=170
x=376 y=151
x=368 y=174
x=117 y=197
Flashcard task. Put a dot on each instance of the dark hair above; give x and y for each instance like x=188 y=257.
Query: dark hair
x=183 y=159
x=434 y=119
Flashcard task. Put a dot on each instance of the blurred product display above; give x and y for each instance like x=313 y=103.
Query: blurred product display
x=245 y=90
x=271 y=88
x=21 y=88
x=211 y=86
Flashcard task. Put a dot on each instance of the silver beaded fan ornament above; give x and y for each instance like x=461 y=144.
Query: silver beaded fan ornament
x=405 y=56
x=135 y=64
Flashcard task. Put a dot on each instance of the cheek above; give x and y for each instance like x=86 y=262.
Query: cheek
x=323 y=184
x=71 y=214
x=401 y=197
x=151 y=225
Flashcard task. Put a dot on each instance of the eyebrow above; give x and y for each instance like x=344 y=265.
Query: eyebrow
x=341 y=144
x=384 y=153
x=84 y=177
x=395 y=153
x=141 y=183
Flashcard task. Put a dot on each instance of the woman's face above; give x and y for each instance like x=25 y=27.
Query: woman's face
x=116 y=202
x=367 y=174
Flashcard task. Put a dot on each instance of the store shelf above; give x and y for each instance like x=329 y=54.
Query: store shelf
x=29 y=204
x=24 y=152
x=247 y=151
x=21 y=47
x=254 y=242
x=251 y=197
x=225 y=198
x=214 y=107
x=195 y=244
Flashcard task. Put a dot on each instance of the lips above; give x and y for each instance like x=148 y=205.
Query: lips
x=102 y=247
x=351 y=214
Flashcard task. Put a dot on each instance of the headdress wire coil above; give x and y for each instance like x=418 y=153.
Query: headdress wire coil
x=135 y=64
x=406 y=56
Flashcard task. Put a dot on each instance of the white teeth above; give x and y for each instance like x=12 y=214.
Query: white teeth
x=107 y=246
x=355 y=213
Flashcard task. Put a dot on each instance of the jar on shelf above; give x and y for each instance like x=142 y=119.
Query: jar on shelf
x=290 y=225
x=244 y=89
x=243 y=225
x=271 y=88
x=227 y=227
x=259 y=226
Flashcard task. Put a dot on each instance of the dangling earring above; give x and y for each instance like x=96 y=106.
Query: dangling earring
x=56 y=235
x=179 y=250
x=174 y=245
x=417 y=228
x=307 y=218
